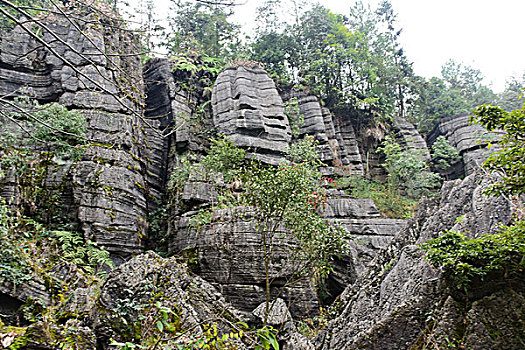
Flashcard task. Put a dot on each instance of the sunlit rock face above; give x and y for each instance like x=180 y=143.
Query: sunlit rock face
x=471 y=140
x=248 y=109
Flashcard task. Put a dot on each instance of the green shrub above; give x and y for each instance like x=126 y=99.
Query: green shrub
x=389 y=203
x=464 y=259
x=406 y=170
x=225 y=158
x=443 y=154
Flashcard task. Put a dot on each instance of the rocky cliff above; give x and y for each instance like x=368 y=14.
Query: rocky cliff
x=402 y=302
x=473 y=142
x=72 y=63
x=148 y=127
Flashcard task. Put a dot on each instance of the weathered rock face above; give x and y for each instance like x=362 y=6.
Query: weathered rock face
x=149 y=277
x=409 y=138
x=388 y=306
x=337 y=143
x=105 y=192
x=248 y=109
x=471 y=141
x=369 y=234
x=228 y=251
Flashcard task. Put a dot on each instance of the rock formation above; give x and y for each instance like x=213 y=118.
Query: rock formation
x=471 y=140
x=337 y=142
x=248 y=109
x=145 y=124
x=72 y=63
x=401 y=300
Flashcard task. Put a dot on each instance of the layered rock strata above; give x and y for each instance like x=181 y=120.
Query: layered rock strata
x=471 y=140
x=409 y=138
x=388 y=307
x=228 y=252
x=73 y=62
x=337 y=143
x=369 y=233
x=248 y=109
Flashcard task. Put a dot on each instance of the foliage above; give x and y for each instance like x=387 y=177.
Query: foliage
x=30 y=249
x=443 y=154
x=180 y=176
x=511 y=98
x=304 y=151
x=457 y=91
x=86 y=254
x=36 y=7
x=223 y=157
x=14 y=265
x=289 y=197
x=406 y=169
x=295 y=117
x=51 y=127
x=510 y=159
x=202 y=28
x=464 y=259
x=500 y=255
x=310 y=327
x=349 y=62
x=390 y=204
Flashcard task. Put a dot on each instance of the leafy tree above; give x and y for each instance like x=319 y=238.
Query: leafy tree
x=458 y=91
x=349 y=62
x=443 y=154
x=289 y=197
x=203 y=28
x=406 y=169
x=510 y=98
x=510 y=159
x=464 y=259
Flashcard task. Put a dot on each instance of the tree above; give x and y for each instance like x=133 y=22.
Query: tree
x=510 y=98
x=349 y=62
x=406 y=170
x=509 y=161
x=289 y=197
x=458 y=91
x=201 y=27
x=443 y=154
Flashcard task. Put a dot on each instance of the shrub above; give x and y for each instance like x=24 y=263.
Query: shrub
x=464 y=259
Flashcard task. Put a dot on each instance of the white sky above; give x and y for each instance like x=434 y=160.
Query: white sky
x=485 y=34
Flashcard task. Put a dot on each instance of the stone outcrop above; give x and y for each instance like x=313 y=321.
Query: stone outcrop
x=105 y=192
x=248 y=109
x=369 y=234
x=409 y=138
x=389 y=305
x=148 y=276
x=227 y=251
x=471 y=140
x=337 y=142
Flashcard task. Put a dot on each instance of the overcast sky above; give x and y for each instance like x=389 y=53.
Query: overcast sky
x=485 y=34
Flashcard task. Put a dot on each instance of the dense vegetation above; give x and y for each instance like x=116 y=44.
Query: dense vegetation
x=497 y=256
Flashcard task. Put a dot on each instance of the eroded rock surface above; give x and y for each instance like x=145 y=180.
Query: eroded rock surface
x=248 y=109
x=147 y=278
x=389 y=305
x=105 y=191
x=227 y=251
x=471 y=141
